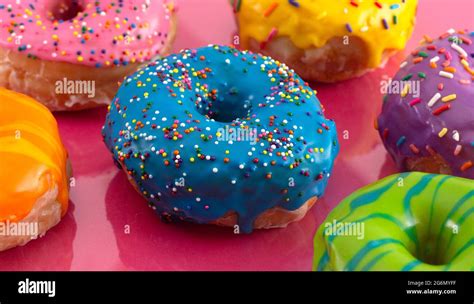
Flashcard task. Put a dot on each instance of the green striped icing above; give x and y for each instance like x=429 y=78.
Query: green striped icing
x=406 y=222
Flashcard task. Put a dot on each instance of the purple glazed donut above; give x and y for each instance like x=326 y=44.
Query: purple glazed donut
x=432 y=129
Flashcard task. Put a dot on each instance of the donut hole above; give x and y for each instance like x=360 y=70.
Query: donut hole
x=225 y=107
x=432 y=248
x=66 y=10
x=429 y=254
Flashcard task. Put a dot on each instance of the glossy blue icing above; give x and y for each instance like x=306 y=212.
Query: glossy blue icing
x=189 y=104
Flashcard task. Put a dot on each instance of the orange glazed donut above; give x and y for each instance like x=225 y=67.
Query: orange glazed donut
x=71 y=54
x=33 y=170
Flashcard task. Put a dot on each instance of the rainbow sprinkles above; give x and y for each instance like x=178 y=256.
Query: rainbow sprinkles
x=440 y=121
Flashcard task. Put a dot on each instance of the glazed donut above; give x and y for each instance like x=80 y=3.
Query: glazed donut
x=325 y=40
x=428 y=124
x=215 y=135
x=33 y=170
x=71 y=54
x=412 y=221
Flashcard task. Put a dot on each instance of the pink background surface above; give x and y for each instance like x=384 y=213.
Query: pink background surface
x=92 y=236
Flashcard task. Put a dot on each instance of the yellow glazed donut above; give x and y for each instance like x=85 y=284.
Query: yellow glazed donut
x=326 y=40
x=33 y=170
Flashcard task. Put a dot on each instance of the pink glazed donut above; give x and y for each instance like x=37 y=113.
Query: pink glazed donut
x=71 y=54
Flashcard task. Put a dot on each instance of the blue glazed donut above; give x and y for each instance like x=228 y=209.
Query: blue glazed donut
x=214 y=131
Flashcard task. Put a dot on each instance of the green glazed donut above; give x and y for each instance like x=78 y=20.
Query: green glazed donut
x=411 y=221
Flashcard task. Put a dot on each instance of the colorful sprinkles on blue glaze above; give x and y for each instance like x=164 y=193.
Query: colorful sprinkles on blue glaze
x=165 y=128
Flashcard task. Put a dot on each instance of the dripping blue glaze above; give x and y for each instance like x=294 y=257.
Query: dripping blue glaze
x=237 y=92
